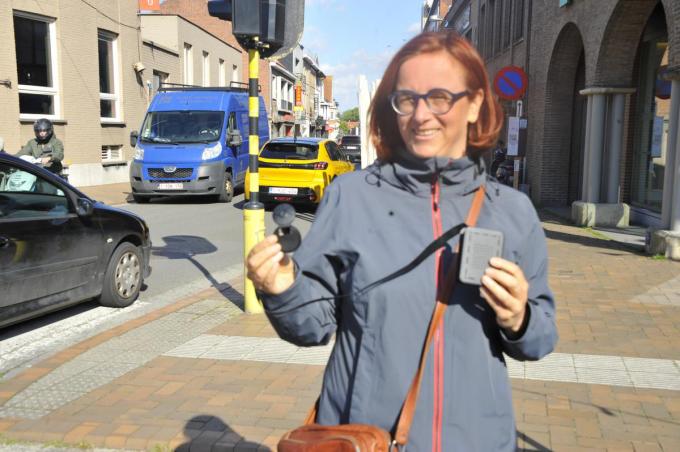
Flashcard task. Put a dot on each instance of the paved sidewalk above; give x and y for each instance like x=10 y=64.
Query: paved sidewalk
x=111 y=194
x=202 y=375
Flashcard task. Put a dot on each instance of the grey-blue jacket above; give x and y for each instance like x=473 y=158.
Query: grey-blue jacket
x=371 y=223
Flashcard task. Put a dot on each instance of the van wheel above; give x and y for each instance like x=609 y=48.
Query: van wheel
x=227 y=190
x=123 y=277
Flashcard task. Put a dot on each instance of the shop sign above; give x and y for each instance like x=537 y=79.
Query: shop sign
x=298 y=97
x=149 y=5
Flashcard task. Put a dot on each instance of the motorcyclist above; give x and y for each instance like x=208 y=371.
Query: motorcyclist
x=498 y=157
x=45 y=147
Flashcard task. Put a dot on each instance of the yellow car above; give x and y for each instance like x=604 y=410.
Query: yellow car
x=298 y=169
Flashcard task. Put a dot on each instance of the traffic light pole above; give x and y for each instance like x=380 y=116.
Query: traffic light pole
x=253 y=211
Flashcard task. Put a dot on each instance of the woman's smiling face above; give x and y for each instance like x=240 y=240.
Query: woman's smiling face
x=424 y=133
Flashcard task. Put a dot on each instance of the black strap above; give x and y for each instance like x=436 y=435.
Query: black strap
x=429 y=249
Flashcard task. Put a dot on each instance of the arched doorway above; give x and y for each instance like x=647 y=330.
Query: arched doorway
x=564 y=119
x=578 y=134
x=651 y=115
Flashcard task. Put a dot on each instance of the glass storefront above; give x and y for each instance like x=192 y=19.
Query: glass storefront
x=652 y=116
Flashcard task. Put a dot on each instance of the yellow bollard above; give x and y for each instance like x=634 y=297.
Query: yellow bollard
x=253 y=226
x=253 y=210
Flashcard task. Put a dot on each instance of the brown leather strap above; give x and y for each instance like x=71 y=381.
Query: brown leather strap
x=406 y=416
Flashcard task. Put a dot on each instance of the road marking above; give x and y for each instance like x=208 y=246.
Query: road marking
x=182 y=334
x=640 y=373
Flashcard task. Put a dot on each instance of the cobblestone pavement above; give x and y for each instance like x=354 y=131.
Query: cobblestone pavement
x=201 y=375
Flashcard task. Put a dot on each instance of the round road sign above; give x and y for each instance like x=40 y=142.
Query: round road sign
x=510 y=83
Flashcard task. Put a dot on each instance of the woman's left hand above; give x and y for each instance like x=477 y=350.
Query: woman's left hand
x=506 y=290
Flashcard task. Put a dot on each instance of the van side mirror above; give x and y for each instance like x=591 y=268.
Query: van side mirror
x=133 y=138
x=234 y=138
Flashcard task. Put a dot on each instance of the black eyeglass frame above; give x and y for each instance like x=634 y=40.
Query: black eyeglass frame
x=455 y=97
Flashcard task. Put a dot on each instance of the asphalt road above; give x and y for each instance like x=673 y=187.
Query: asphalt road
x=193 y=239
x=196 y=244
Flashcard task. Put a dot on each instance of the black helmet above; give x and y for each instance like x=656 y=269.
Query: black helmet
x=40 y=125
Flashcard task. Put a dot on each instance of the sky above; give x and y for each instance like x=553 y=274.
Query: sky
x=357 y=37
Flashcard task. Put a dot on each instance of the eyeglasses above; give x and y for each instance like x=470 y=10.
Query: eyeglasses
x=438 y=100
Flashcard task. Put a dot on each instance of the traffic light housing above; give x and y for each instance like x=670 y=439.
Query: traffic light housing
x=221 y=9
x=277 y=24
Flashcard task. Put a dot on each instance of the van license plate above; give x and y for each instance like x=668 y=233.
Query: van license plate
x=283 y=191
x=171 y=186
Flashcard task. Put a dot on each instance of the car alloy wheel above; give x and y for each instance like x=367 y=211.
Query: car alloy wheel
x=127 y=275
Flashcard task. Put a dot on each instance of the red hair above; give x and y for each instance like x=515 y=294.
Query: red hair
x=482 y=134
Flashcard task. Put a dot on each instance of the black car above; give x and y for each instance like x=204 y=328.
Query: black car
x=58 y=247
x=351 y=145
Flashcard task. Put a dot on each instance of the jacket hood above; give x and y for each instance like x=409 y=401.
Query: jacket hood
x=416 y=175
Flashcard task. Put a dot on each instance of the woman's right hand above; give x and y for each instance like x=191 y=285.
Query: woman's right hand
x=270 y=270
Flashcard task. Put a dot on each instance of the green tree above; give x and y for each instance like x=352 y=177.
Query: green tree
x=350 y=115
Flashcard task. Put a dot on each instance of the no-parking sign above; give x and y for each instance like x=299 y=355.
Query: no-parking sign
x=510 y=83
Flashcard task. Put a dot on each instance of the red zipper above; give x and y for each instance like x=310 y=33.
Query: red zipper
x=438 y=393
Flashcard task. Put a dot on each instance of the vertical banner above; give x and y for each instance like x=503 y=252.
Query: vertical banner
x=149 y=5
x=298 y=96
x=513 y=136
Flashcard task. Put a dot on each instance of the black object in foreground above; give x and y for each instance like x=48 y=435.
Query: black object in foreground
x=289 y=236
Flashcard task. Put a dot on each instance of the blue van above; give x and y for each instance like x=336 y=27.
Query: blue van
x=193 y=141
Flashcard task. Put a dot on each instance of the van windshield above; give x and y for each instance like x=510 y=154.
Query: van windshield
x=182 y=126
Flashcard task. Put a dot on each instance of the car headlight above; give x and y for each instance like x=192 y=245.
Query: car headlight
x=139 y=153
x=212 y=152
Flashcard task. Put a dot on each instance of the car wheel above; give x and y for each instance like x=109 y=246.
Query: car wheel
x=141 y=199
x=123 y=277
x=227 y=190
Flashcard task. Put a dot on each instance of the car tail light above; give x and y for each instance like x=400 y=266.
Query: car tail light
x=321 y=165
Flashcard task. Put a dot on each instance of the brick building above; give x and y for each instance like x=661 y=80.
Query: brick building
x=73 y=63
x=196 y=11
x=92 y=68
x=602 y=99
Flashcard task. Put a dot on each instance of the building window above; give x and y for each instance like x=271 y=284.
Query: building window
x=188 y=64
x=234 y=73
x=518 y=11
x=223 y=73
x=109 y=99
x=112 y=154
x=507 y=20
x=36 y=51
x=497 y=31
x=481 y=31
x=206 y=69
x=159 y=78
x=462 y=23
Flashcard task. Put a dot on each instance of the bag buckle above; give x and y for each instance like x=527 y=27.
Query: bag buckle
x=395 y=446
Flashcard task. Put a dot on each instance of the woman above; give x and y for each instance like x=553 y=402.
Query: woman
x=433 y=116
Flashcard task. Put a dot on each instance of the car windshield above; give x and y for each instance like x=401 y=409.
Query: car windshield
x=175 y=127
x=290 y=151
x=350 y=139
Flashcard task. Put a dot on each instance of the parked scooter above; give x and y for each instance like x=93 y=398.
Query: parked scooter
x=506 y=173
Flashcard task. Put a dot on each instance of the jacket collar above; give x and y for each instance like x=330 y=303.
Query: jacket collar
x=417 y=175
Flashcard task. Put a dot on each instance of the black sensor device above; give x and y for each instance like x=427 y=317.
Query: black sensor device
x=288 y=235
x=478 y=247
